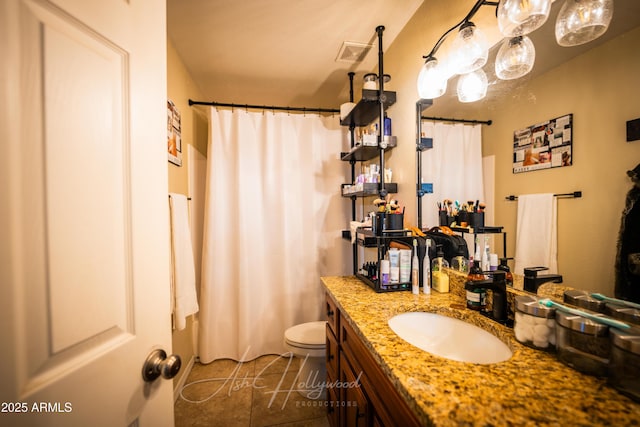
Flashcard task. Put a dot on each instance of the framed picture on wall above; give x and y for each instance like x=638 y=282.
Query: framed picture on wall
x=544 y=145
x=174 y=139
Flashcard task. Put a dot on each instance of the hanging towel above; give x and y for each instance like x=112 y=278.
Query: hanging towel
x=537 y=233
x=183 y=273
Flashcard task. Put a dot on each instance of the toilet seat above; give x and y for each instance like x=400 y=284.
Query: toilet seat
x=311 y=335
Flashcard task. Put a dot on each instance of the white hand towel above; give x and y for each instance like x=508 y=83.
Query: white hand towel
x=537 y=233
x=183 y=273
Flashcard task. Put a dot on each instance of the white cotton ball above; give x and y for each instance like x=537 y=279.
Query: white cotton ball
x=542 y=330
x=540 y=320
x=540 y=343
x=518 y=330
x=551 y=323
x=527 y=333
x=552 y=338
x=527 y=319
x=518 y=317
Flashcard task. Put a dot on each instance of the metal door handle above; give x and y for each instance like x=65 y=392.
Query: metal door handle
x=158 y=364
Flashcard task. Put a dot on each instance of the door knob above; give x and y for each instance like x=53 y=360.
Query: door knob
x=158 y=364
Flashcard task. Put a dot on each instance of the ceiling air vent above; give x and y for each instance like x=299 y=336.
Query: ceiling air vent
x=352 y=52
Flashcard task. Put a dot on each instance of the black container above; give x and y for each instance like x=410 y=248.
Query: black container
x=395 y=222
x=378 y=223
x=476 y=219
x=445 y=219
x=463 y=218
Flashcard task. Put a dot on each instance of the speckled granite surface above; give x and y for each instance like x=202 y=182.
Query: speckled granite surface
x=530 y=389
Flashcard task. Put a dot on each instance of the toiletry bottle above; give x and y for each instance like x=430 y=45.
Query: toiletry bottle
x=476 y=296
x=426 y=270
x=485 y=255
x=507 y=271
x=415 y=270
x=460 y=263
x=394 y=265
x=440 y=278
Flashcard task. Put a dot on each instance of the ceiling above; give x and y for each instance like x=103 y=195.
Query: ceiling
x=284 y=51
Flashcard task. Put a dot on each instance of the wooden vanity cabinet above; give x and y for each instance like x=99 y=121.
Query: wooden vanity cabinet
x=366 y=396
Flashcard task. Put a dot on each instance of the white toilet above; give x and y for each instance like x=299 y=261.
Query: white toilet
x=307 y=342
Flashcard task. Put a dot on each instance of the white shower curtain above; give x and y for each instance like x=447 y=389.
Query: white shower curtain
x=453 y=165
x=270 y=180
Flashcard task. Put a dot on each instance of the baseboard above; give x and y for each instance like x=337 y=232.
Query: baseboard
x=183 y=378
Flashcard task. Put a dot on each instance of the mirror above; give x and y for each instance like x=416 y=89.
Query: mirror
x=592 y=82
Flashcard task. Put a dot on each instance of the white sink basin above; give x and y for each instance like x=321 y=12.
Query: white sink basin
x=449 y=338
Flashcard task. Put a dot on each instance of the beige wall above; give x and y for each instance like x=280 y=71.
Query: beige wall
x=181 y=87
x=599 y=88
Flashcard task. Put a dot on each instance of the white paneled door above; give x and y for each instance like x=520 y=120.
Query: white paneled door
x=84 y=247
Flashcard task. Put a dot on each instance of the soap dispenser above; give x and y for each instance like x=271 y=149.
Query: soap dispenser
x=460 y=263
x=439 y=277
x=507 y=271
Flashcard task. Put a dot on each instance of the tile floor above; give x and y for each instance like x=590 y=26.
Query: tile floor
x=247 y=394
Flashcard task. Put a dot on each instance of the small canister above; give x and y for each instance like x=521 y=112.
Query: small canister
x=370 y=81
x=535 y=324
x=624 y=366
x=582 y=299
x=623 y=313
x=582 y=344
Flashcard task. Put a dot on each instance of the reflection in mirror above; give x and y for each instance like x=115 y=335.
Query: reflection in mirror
x=590 y=81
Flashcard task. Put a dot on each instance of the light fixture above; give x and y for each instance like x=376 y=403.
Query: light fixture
x=432 y=80
x=581 y=21
x=470 y=49
x=520 y=17
x=578 y=22
x=472 y=86
x=515 y=58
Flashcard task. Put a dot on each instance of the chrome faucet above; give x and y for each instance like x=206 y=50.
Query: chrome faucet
x=533 y=280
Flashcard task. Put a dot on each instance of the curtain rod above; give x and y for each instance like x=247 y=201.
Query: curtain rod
x=444 y=119
x=265 y=107
x=575 y=194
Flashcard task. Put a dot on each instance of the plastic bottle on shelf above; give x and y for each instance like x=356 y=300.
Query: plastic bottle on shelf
x=485 y=255
x=439 y=277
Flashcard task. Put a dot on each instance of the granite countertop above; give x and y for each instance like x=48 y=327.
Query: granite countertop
x=532 y=388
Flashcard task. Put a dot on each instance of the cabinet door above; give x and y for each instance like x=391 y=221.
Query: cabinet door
x=332 y=314
x=355 y=410
x=332 y=354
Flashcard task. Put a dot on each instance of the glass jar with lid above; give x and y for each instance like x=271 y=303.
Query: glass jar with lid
x=583 y=299
x=582 y=343
x=624 y=366
x=534 y=324
x=623 y=313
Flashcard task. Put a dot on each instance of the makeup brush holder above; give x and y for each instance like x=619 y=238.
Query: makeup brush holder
x=476 y=219
x=384 y=223
x=445 y=219
x=378 y=223
x=395 y=221
x=462 y=219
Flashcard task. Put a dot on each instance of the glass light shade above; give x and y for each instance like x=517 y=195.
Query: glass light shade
x=581 y=21
x=473 y=86
x=515 y=58
x=469 y=49
x=432 y=81
x=520 y=17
